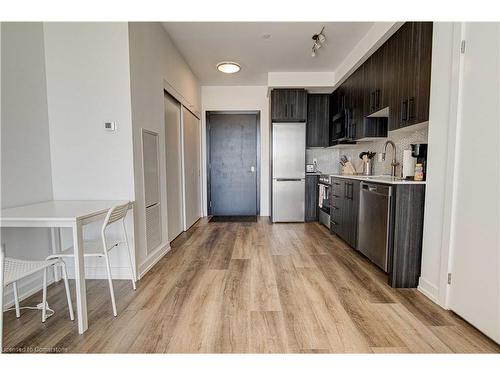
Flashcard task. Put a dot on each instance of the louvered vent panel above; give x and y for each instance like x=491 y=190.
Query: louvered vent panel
x=153 y=227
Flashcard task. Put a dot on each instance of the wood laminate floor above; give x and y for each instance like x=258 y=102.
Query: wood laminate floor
x=252 y=288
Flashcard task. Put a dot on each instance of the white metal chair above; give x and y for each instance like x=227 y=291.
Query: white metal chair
x=101 y=248
x=12 y=270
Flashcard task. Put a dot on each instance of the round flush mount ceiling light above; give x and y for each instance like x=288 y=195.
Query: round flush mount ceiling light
x=228 y=67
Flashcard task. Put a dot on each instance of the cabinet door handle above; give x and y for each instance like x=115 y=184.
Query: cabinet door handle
x=286 y=110
x=404 y=110
x=377 y=98
x=291 y=110
x=411 y=108
x=372 y=101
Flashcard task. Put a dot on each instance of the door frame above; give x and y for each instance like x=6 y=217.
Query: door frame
x=208 y=159
x=181 y=157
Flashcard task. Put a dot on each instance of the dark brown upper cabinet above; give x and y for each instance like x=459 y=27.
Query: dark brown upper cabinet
x=410 y=101
x=318 y=120
x=289 y=105
x=353 y=91
x=397 y=76
x=376 y=90
x=356 y=103
x=337 y=102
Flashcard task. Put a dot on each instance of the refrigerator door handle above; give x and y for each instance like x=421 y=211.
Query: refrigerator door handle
x=289 y=179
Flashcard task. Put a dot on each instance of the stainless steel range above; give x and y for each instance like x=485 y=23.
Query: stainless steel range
x=324 y=199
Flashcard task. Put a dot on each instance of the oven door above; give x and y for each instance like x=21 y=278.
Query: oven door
x=324 y=202
x=324 y=205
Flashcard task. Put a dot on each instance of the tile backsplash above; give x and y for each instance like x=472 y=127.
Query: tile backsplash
x=328 y=158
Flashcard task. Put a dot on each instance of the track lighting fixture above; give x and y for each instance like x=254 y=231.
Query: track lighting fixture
x=319 y=40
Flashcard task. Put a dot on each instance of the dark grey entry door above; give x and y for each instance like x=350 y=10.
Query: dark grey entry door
x=232 y=164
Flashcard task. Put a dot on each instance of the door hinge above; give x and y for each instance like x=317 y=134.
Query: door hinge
x=449 y=278
x=462 y=46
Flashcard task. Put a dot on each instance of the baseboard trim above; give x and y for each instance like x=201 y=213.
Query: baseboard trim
x=428 y=289
x=152 y=259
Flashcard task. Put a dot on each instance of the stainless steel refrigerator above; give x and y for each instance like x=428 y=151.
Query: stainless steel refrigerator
x=288 y=171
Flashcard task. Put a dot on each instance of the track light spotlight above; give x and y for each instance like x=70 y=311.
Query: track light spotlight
x=319 y=40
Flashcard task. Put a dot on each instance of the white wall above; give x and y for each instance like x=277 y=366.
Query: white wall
x=309 y=80
x=475 y=237
x=441 y=140
x=25 y=151
x=461 y=211
x=237 y=98
x=25 y=126
x=70 y=79
x=155 y=66
x=88 y=83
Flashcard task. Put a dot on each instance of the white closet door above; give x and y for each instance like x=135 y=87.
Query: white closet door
x=191 y=139
x=151 y=189
x=475 y=283
x=173 y=147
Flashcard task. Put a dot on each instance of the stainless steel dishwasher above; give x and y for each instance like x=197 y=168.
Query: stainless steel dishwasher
x=374 y=223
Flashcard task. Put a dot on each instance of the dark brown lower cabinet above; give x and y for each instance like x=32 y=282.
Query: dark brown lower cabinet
x=344 y=209
x=311 y=203
x=407 y=233
x=350 y=213
x=405 y=230
x=336 y=199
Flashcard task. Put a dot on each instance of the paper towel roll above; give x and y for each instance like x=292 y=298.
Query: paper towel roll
x=408 y=164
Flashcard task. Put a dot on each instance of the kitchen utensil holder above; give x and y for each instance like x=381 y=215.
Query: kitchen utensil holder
x=368 y=167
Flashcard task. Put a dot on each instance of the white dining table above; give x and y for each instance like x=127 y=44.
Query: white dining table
x=57 y=214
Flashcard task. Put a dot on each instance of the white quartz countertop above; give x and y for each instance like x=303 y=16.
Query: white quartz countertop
x=379 y=179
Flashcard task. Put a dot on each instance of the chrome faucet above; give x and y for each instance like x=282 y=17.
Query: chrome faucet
x=394 y=163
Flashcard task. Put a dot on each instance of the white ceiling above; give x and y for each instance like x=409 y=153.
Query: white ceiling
x=204 y=44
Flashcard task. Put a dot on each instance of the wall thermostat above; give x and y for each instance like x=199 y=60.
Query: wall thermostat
x=110 y=126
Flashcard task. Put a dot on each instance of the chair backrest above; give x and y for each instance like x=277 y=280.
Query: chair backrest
x=115 y=213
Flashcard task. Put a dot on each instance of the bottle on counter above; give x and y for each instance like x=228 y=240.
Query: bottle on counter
x=419 y=172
